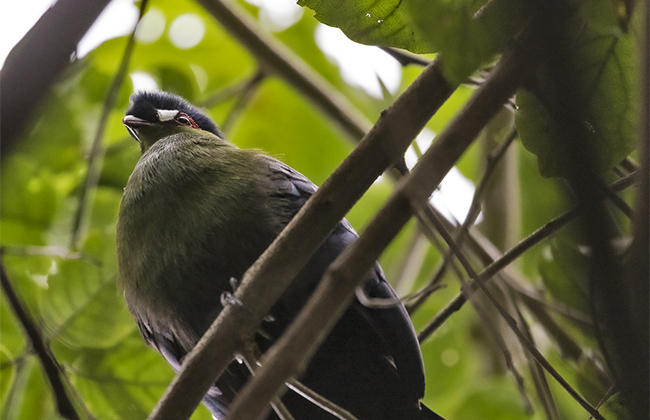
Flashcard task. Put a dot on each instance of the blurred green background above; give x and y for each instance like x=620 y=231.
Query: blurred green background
x=66 y=275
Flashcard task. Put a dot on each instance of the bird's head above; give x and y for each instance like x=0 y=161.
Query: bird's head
x=156 y=115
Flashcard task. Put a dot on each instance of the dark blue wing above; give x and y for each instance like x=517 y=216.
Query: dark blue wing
x=392 y=325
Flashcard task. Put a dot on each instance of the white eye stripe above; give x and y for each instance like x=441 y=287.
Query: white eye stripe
x=166 y=114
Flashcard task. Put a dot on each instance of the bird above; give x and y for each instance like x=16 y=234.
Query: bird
x=196 y=212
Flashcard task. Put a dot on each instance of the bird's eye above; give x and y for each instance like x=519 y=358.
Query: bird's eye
x=184 y=119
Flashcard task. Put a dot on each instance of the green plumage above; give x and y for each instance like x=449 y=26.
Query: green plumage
x=185 y=187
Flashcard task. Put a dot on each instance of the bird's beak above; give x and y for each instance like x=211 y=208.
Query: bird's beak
x=133 y=123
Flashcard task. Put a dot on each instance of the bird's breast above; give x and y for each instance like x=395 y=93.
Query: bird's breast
x=186 y=226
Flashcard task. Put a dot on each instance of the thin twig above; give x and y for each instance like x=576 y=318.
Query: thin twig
x=48 y=251
x=96 y=154
x=474 y=210
x=405 y=58
x=319 y=400
x=50 y=366
x=251 y=359
x=245 y=95
x=536 y=371
x=454 y=247
x=616 y=200
x=513 y=325
x=508 y=257
x=230 y=91
x=629 y=165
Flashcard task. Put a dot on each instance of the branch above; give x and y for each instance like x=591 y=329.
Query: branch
x=247 y=91
x=292 y=352
x=96 y=155
x=474 y=210
x=36 y=61
x=404 y=57
x=508 y=257
x=512 y=324
x=50 y=366
x=384 y=145
x=275 y=58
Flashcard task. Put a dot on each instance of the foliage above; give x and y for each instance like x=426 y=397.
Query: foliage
x=71 y=288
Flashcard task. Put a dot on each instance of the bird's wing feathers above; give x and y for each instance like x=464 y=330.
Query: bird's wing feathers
x=391 y=324
x=394 y=326
x=286 y=182
x=220 y=395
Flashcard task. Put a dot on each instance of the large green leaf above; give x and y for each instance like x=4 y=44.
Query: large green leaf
x=123 y=382
x=467 y=32
x=605 y=64
x=373 y=22
x=30 y=396
x=81 y=306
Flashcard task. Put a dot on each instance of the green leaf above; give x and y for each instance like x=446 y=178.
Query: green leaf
x=465 y=36
x=82 y=307
x=564 y=269
x=466 y=33
x=606 y=72
x=542 y=199
x=383 y=22
x=30 y=396
x=28 y=193
x=122 y=382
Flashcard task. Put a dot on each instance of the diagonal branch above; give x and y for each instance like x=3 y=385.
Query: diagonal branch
x=36 y=61
x=292 y=352
x=50 y=366
x=96 y=155
x=384 y=145
x=508 y=257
